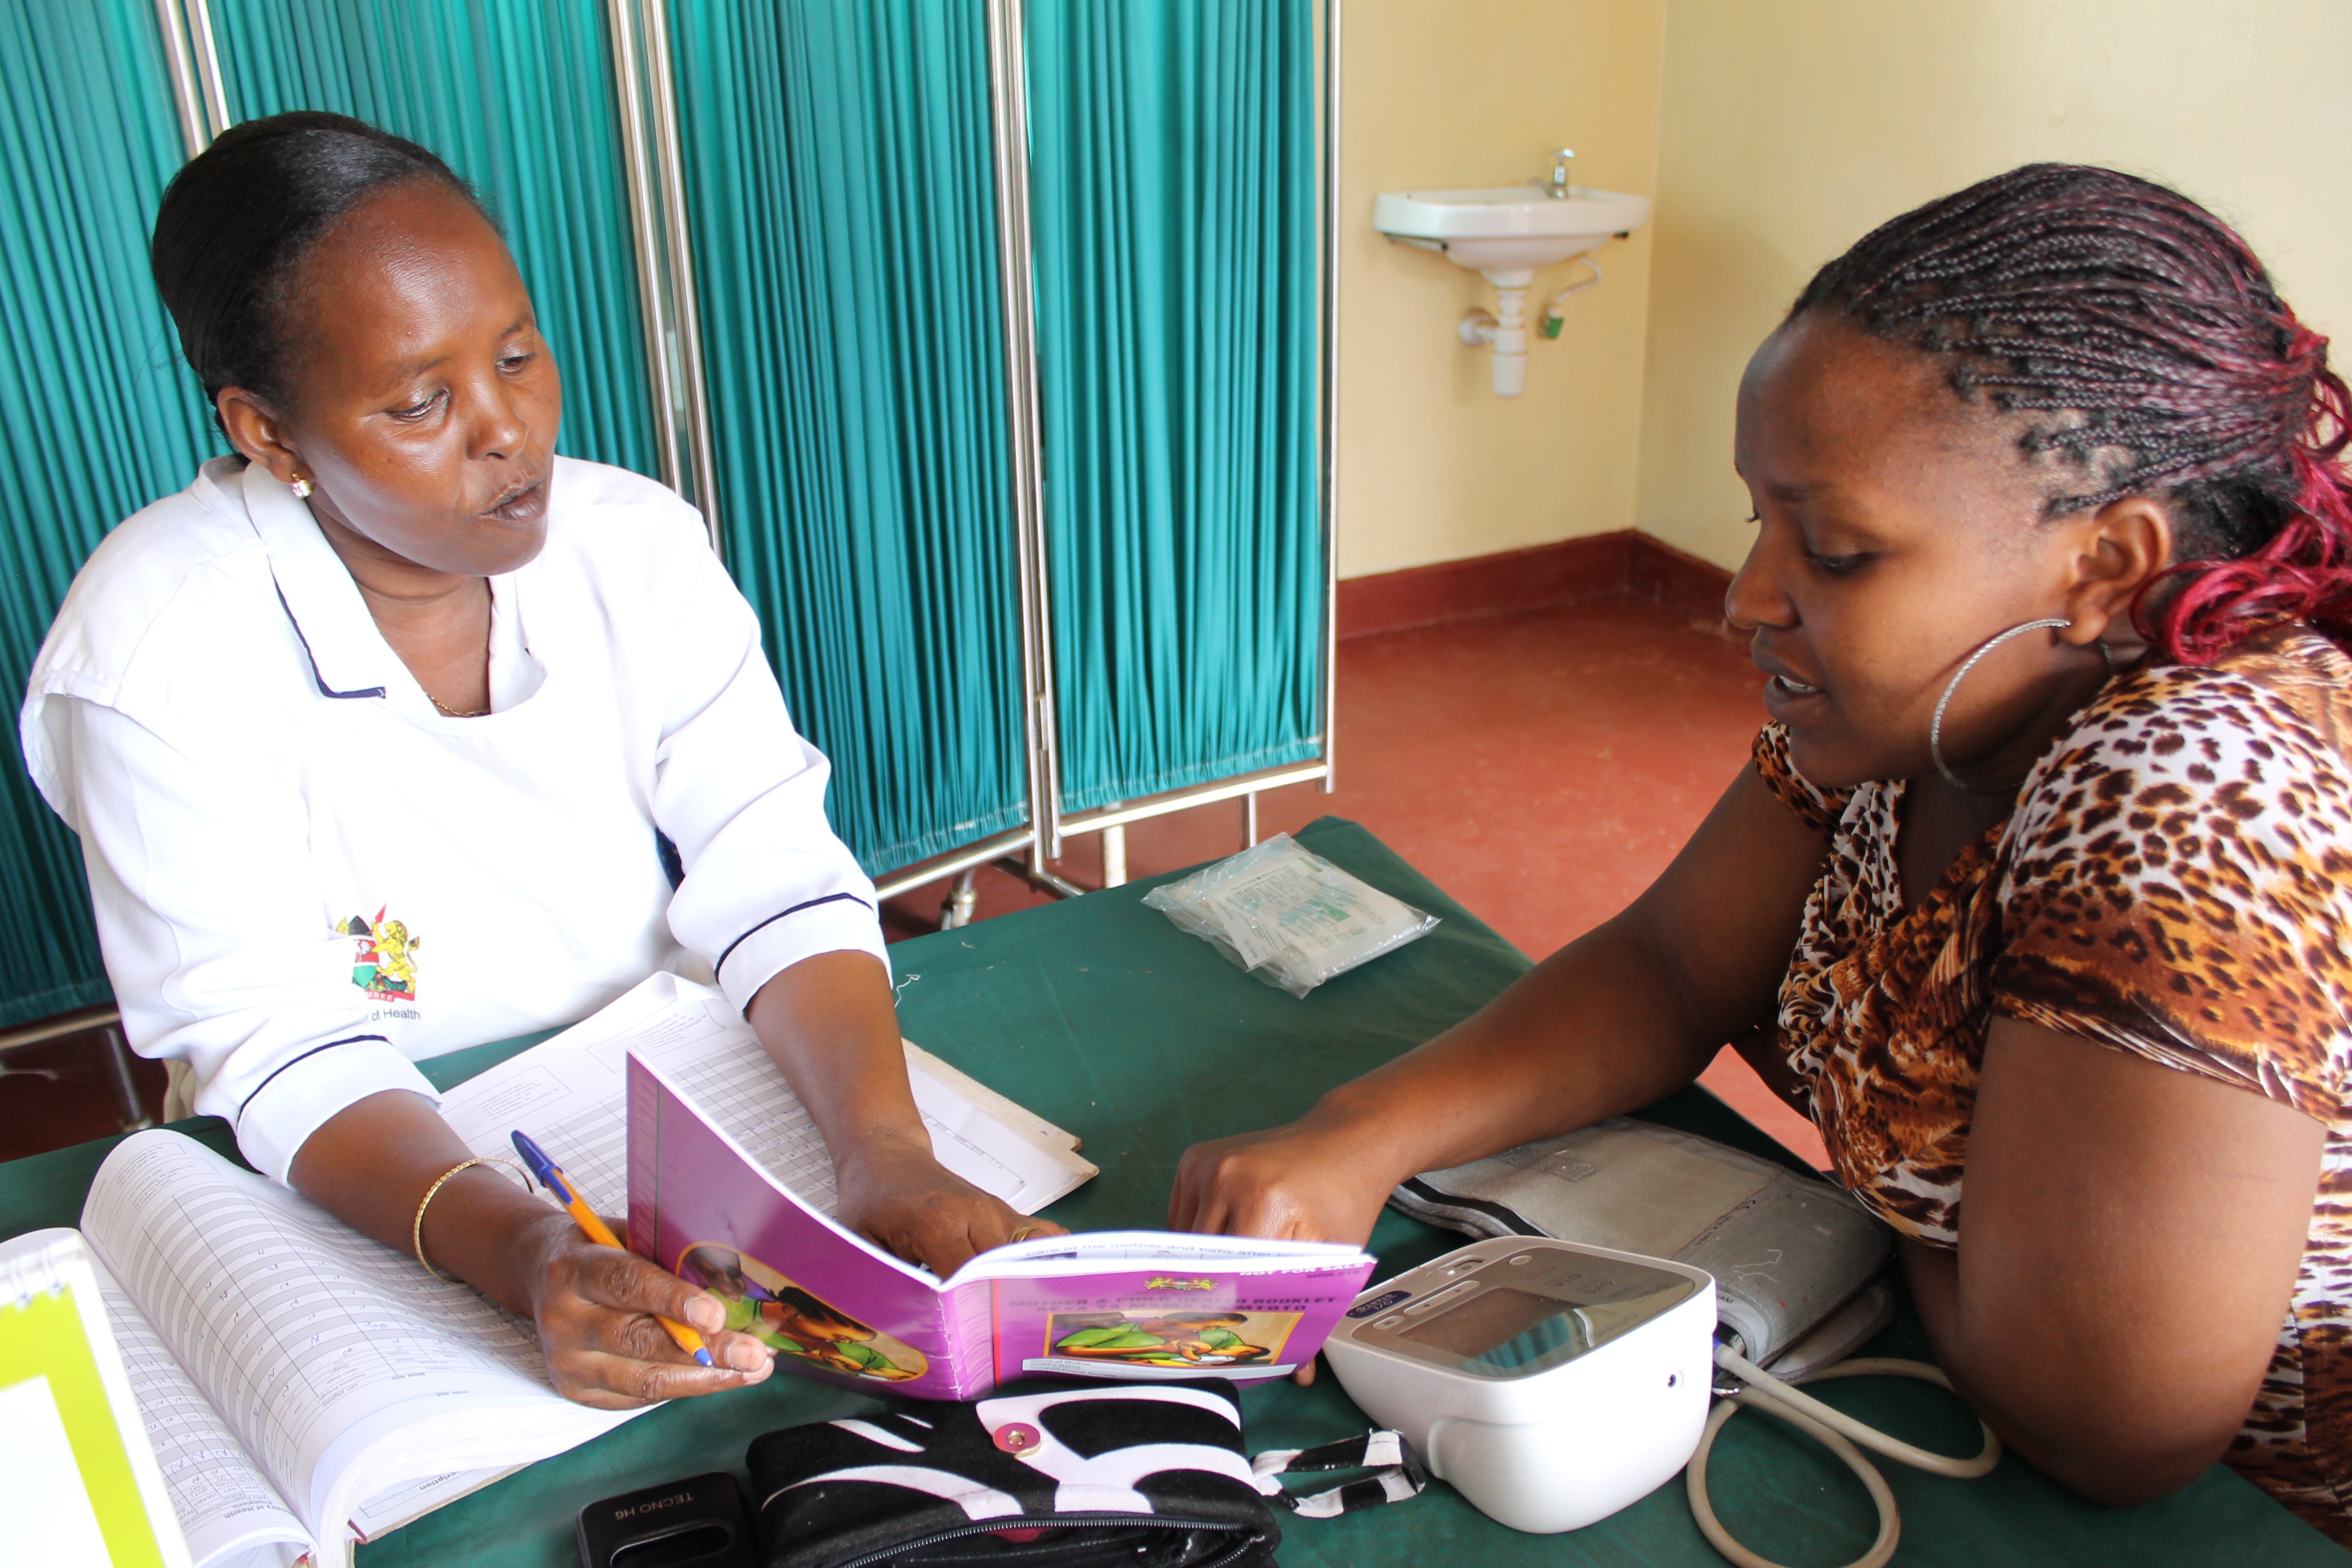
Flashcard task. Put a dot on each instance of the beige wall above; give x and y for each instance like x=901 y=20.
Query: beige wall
x=1433 y=465
x=1791 y=129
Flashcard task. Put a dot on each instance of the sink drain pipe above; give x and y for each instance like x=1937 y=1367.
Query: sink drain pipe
x=1505 y=332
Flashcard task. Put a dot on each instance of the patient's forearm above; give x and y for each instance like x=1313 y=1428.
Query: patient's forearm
x=1596 y=1030
x=1618 y=1019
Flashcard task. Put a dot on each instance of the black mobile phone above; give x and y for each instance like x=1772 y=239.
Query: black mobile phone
x=698 y=1522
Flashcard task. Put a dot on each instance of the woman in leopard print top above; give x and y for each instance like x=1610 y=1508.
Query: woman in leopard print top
x=2176 y=882
x=2037 y=890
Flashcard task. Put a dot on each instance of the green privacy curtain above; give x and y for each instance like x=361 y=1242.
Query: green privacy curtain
x=100 y=418
x=1174 y=183
x=517 y=96
x=842 y=197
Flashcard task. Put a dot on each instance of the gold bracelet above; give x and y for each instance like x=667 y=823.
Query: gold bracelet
x=416 y=1230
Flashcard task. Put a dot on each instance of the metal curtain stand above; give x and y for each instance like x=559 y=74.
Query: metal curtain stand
x=644 y=83
x=1042 y=839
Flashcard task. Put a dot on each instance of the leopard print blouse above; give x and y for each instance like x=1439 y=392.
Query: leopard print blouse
x=2176 y=882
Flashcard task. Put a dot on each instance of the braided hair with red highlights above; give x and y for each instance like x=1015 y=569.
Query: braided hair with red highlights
x=2149 y=337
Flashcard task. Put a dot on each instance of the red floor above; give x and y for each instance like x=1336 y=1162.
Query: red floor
x=62 y=1091
x=1541 y=767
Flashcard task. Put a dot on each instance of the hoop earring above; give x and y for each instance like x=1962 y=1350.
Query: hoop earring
x=1936 y=725
x=301 y=487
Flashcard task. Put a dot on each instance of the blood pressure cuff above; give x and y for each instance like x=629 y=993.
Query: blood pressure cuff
x=1786 y=1250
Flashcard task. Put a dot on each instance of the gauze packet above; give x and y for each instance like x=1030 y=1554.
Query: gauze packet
x=1287 y=915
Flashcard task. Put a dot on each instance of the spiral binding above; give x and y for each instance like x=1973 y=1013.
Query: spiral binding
x=26 y=1274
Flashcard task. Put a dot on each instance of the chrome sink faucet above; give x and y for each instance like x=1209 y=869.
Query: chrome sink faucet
x=1557 y=187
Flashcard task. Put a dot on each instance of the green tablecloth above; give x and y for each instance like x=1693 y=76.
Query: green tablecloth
x=1100 y=1015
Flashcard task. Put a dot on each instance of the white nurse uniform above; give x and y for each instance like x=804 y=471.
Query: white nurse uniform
x=307 y=877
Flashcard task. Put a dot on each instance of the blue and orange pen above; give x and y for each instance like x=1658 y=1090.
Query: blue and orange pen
x=551 y=1176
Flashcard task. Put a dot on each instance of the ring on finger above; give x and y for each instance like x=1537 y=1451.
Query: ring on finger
x=1024 y=1233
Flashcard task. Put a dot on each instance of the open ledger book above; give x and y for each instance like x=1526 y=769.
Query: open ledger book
x=304 y=1387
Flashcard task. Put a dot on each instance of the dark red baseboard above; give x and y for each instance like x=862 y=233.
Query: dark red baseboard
x=1685 y=584
x=1625 y=562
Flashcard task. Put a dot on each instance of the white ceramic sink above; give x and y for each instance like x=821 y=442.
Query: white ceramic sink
x=1508 y=231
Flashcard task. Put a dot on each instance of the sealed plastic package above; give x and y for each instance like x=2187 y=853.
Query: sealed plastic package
x=1287 y=915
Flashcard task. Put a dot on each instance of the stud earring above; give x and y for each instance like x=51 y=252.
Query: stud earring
x=301 y=487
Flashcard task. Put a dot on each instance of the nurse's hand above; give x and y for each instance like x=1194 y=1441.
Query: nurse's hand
x=374 y=1164
x=595 y=1309
x=828 y=1023
x=901 y=1198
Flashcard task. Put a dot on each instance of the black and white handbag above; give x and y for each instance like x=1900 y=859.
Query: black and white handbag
x=1049 y=1472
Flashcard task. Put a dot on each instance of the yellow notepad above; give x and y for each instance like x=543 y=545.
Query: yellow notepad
x=81 y=1483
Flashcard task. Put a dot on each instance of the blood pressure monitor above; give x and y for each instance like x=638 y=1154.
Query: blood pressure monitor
x=1551 y=1384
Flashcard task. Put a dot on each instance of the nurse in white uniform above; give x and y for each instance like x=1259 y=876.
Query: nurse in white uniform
x=395 y=733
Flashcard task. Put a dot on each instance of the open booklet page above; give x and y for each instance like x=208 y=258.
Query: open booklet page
x=1144 y=1305
x=712 y=1197
x=568 y=1093
x=340 y=1371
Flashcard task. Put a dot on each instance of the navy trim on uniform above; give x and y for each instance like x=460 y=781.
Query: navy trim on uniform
x=314 y=1051
x=772 y=919
x=324 y=689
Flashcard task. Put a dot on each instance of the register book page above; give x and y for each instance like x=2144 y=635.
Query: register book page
x=569 y=1093
x=340 y=1368
x=227 y=1508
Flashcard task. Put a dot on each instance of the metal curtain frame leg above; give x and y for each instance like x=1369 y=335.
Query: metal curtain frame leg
x=962 y=899
x=1327 y=498
x=134 y=1115
x=179 y=67
x=669 y=313
x=1009 y=117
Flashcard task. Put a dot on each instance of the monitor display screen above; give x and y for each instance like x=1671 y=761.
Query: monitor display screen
x=1506 y=1328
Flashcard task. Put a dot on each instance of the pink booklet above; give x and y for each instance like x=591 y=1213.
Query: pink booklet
x=1119 y=1304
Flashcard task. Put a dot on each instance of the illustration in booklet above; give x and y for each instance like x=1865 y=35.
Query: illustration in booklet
x=1127 y=1305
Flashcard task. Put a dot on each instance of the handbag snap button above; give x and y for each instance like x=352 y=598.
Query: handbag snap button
x=1016 y=1438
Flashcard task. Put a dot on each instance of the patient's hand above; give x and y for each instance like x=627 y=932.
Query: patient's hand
x=595 y=1307
x=899 y=1197
x=1311 y=1181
